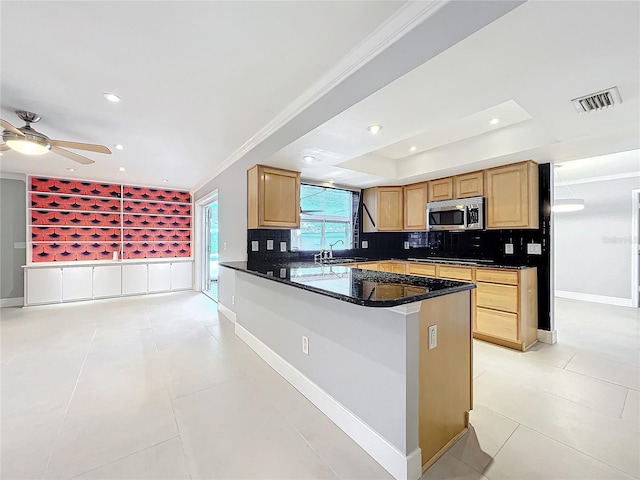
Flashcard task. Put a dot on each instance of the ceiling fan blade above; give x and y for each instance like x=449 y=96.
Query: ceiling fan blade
x=90 y=147
x=10 y=127
x=72 y=156
x=4 y=147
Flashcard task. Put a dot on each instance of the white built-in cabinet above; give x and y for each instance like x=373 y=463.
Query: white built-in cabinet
x=55 y=284
x=159 y=277
x=107 y=281
x=77 y=283
x=134 y=279
x=43 y=285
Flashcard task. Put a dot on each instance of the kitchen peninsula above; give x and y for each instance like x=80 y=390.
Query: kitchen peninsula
x=387 y=357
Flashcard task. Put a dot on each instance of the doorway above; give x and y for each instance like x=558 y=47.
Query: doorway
x=210 y=283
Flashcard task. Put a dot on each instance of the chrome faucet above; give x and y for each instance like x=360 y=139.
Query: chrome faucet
x=331 y=245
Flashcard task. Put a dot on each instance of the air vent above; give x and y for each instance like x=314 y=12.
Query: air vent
x=597 y=101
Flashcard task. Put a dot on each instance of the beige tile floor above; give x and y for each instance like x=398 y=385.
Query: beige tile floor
x=160 y=387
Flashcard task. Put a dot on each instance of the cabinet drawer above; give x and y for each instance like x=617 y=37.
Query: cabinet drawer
x=498 y=297
x=393 y=267
x=421 y=269
x=368 y=266
x=508 y=277
x=455 y=273
x=497 y=324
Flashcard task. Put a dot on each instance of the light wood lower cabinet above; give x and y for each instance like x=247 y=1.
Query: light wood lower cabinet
x=504 y=306
x=507 y=307
x=392 y=267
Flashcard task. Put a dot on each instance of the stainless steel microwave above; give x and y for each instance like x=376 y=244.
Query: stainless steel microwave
x=461 y=214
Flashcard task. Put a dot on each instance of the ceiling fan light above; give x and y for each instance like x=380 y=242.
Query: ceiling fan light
x=568 y=205
x=27 y=147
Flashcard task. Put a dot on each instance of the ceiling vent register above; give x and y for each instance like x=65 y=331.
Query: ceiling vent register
x=597 y=101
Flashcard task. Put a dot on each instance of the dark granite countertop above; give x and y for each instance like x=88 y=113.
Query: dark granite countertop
x=362 y=287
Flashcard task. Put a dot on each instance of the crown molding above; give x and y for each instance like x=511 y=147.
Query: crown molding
x=405 y=19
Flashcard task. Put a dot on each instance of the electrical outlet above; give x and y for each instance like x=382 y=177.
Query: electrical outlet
x=224 y=246
x=269 y=244
x=270 y=273
x=406 y=245
x=433 y=336
x=20 y=245
x=233 y=299
x=305 y=345
x=283 y=246
x=255 y=246
x=508 y=248
x=283 y=273
x=365 y=244
x=534 y=248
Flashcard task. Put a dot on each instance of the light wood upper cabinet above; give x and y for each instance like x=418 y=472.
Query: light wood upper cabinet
x=512 y=196
x=273 y=198
x=469 y=185
x=441 y=189
x=415 y=207
x=383 y=209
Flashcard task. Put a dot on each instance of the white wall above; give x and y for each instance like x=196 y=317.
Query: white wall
x=593 y=246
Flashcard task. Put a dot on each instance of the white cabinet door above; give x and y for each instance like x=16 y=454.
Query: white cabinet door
x=159 y=277
x=134 y=279
x=107 y=281
x=77 y=283
x=44 y=285
x=182 y=276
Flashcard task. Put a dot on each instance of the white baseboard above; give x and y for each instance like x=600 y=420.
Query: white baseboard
x=12 y=302
x=227 y=312
x=588 y=297
x=393 y=460
x=546 y=336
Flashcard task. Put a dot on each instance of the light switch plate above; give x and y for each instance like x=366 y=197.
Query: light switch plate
x=508 y=248
x=269 y=244
x=255 y=246
x=406 y=245
x=283 y=246
x=534 y=249
x=365 y=244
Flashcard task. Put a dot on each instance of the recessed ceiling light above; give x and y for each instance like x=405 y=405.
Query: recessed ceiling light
x=71 y=169
x=374 y=128
x=119 y=147
x=413 y=148
x=308 y=158
x=494 y=121
x=112 y=97
x=165 y=180
x=331 y=182
x=122 y=169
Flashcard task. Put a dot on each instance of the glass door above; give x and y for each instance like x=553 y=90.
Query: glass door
x=210 y=284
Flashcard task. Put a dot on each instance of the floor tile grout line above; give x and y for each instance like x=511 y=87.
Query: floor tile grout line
x=66 y=411
x=578 y=450
x=125 y=456
x=601 y=379
x=568 y=362
x=168 y=393
x=624 y=404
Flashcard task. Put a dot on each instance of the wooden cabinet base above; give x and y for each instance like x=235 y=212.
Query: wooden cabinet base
x=445 y=449
x=445 y=395
x=504 y=343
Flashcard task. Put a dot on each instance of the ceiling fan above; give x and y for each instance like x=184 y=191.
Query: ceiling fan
x=28 y=141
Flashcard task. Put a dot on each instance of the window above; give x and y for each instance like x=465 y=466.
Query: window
x=325 y=218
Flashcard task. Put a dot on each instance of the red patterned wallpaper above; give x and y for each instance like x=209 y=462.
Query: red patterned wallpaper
x=72 y=220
